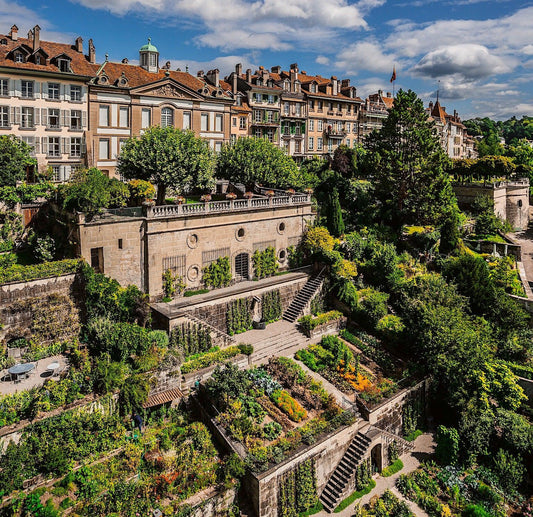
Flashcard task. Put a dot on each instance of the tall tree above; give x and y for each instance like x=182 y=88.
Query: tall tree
x=14 y=158
x=409 y=165
x=168 y=157
x=255 y=160
x=334 y=223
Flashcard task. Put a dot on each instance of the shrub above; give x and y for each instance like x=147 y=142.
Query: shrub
x=239 y=316
x=390 y=327
x=392 y=469
x=209 y=358
x=140 y=190
x=18 y=273
x=372 y=306
x=309 y=323
x=447 y=450
x=288 y=405
x=218 y=273
x=317 y=240
x=265 y=262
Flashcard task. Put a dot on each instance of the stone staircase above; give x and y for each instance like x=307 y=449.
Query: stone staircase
x=302 y=298
x=286 y=341
x=338 y=482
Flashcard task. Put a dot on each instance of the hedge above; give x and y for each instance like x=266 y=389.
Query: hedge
x=212 y=357
x=309 y=323
x=392 y=469
x=18 y=273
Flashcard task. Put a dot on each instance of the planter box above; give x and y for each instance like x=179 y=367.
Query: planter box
x=330 y=327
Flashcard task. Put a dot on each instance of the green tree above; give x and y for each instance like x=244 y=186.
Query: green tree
x=170 y=158
x=87 y=191
x=509 y=470
x=334 y=220
x=256 y=160
x=409 y=165
x=449 y=233
x=344 y=161
x=14 y=158
x=447 y=451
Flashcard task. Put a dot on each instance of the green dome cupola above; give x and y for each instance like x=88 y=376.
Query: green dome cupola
x=149 y=57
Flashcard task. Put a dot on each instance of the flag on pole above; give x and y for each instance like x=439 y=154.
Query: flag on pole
x=393 y=76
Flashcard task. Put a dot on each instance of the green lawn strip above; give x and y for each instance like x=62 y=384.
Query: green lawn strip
x=187 y=294
x=392 y=469
x=413 y=435
x=356 y=495
x=315 y=509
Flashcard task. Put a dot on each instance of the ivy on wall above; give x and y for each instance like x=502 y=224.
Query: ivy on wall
x=191 y=338
x=239 y=316
x=298 y=490
x=11 y=228
x=265 y=262
x=363 y=474
x=271 y=306
x=218 y=273
x=412 y=416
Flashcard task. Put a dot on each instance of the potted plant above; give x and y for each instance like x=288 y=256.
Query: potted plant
x=269 y=193
x=248 y=195
x=206 y=198
x=179 y=200
x=231 y=195
x=290 y=191
x=308 y=191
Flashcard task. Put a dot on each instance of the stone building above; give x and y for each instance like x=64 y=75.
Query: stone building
x=44 y=98
x=137 y=245
x=373 y=112
x=126 y=99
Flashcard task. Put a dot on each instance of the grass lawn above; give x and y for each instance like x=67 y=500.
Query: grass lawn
x=356 y=495
x=392 y=469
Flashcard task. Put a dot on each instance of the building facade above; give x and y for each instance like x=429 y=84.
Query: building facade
x=44 y=98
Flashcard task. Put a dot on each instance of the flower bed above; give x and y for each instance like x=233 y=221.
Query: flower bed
x=315 y=325
x=213 y=356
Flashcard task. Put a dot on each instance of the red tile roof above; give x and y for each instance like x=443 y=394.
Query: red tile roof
x=163 y=397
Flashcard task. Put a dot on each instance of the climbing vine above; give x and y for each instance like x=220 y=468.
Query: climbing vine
x=191 y=338
x=239 y=316
x=172 y=284
x=394 y=453
x=363 y=475
x=265 y=262
x=271 y=306
x=412 y=416
x=218 y=273
x=298 y=490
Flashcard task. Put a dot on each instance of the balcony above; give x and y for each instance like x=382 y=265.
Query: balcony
x=334 y=133
x=265 y=123
x=331 y=113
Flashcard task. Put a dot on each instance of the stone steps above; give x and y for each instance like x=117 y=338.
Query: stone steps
x=278 y=344
x=338 y=482
x=302 y=298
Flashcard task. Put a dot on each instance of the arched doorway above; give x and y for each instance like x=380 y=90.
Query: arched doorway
x=376 y=458
x=241 y=267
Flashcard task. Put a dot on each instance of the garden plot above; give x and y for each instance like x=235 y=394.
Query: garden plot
x=271 y=410
x=355 y=364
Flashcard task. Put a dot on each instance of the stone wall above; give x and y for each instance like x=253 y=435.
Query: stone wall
x=40 y=308
x=527 y=386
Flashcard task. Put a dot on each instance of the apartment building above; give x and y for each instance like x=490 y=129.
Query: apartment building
x=333 y=113
x=126 y=99
x=44 y=98
x=373 y=112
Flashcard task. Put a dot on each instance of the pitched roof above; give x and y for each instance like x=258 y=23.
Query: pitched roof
x=438 y=112
x=79 y=62
x=163 y=397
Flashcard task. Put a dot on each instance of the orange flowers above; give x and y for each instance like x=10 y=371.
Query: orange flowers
x=355 y=379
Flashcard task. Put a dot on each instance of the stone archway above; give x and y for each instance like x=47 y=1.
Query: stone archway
x=376 y=458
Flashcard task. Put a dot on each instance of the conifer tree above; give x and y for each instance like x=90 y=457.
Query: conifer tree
x=335 y=222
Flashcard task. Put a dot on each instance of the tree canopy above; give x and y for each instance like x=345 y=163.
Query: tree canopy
x=409 y=165
x=170 y=158
x=255 y=160
x=14 y=158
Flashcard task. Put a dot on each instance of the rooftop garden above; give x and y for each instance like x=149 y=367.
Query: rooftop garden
x=272 y=410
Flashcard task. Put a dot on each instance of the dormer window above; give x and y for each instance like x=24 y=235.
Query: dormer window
x=312 y=88
x=238 y=100
x=3 y=41
x=63 y=65
x=19 y=58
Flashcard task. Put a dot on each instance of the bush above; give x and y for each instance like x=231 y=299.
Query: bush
x=18 y=273
x=390 y=327
x=372 y=306
x=317 y=240
x=392 y=469
x=309 y=323
x=265 y=262
x=209 y=358
x=447 y=451
x=140 y=190
x=218 y=273
x=272 y=430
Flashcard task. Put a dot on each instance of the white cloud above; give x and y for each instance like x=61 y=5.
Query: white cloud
x=528 y=50
x=466 y=62
x=322 y=60
x=364 y=55
x=226 y=64
x=254 y=24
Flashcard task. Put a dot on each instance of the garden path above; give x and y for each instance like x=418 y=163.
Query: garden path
x=38 y=377
x=424 y=446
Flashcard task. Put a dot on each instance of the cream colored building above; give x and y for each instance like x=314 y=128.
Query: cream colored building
x=44 y=98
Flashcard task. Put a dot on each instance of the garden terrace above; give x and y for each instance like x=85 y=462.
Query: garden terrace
x=273 y=411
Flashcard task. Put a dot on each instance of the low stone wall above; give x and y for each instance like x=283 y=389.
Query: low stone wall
x=527 y=386
x=526 y=303
x=503 y=249
x=211 y=503
x=331 y=327
x=262 y=489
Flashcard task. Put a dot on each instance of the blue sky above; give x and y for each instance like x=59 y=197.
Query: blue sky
x=479 y=54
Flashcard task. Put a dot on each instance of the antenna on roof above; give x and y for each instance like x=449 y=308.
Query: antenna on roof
x=438 y=88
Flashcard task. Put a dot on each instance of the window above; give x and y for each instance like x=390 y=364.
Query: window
x=233 y=138
x=286 y=108
x=204 y=122
x=75 y=147
x=234 y=121
x=348 y=127
x=270 y=116
x=53 y=91
x=104 y=116
x=75 y=119
x=258 y=116
x=348 y=142
x=123 y=116
x=53 y=118
x=30 y=140
x=218 y=122
x=320 y=125
x=311 y=143
x=63 y=65
x=97 y=259
x=54 y=146
x=297 y=146
x=26 y=89
x=242 y=123
x=153 y=59
x=120 y=244
x=286 y=128
x=270 y=135
x=75 y=93
x=311 y=125
x=298 y=108
x=319 y=144
x=187 y=120
x=348 y=109
x=4 y=116
x=121 y=143
x=19 y=58
x=271 y=99
x=312 y=105
x=145 y=118
x=103 y=149
x=167 y=117
x=4 y=87
x=330 y=146
x=320 y=105
x=258 y=133
x=55 y=172
x=298 y=129
x=26 y=119
x=218 y=147
x=312 y=88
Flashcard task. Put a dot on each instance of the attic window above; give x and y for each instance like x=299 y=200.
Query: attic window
x=3 y=41
x=102 y=79
x=63 y=65
x=19 y=58
x=312 y=88
x=238 y=100
x=37 y=60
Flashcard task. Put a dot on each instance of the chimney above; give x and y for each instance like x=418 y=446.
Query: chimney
x=235 y=81
x=303 y=72
x=430 y=106
x=334 y=85
x=200 y=73
x=294 y=66
x=14 y=33
x=36 y=37
x=30 y=35
x=79 y=45
x=265 y=74
x=92 y=52
x=261 y=68
x=388 y=94
x=248 y=75
x=276 y=69
x=380 y=93
x=345 y=83
x=213 y=76
x=238 y=69
x=125 y=61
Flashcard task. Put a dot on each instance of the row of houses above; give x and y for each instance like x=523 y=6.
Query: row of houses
x=75 y=112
